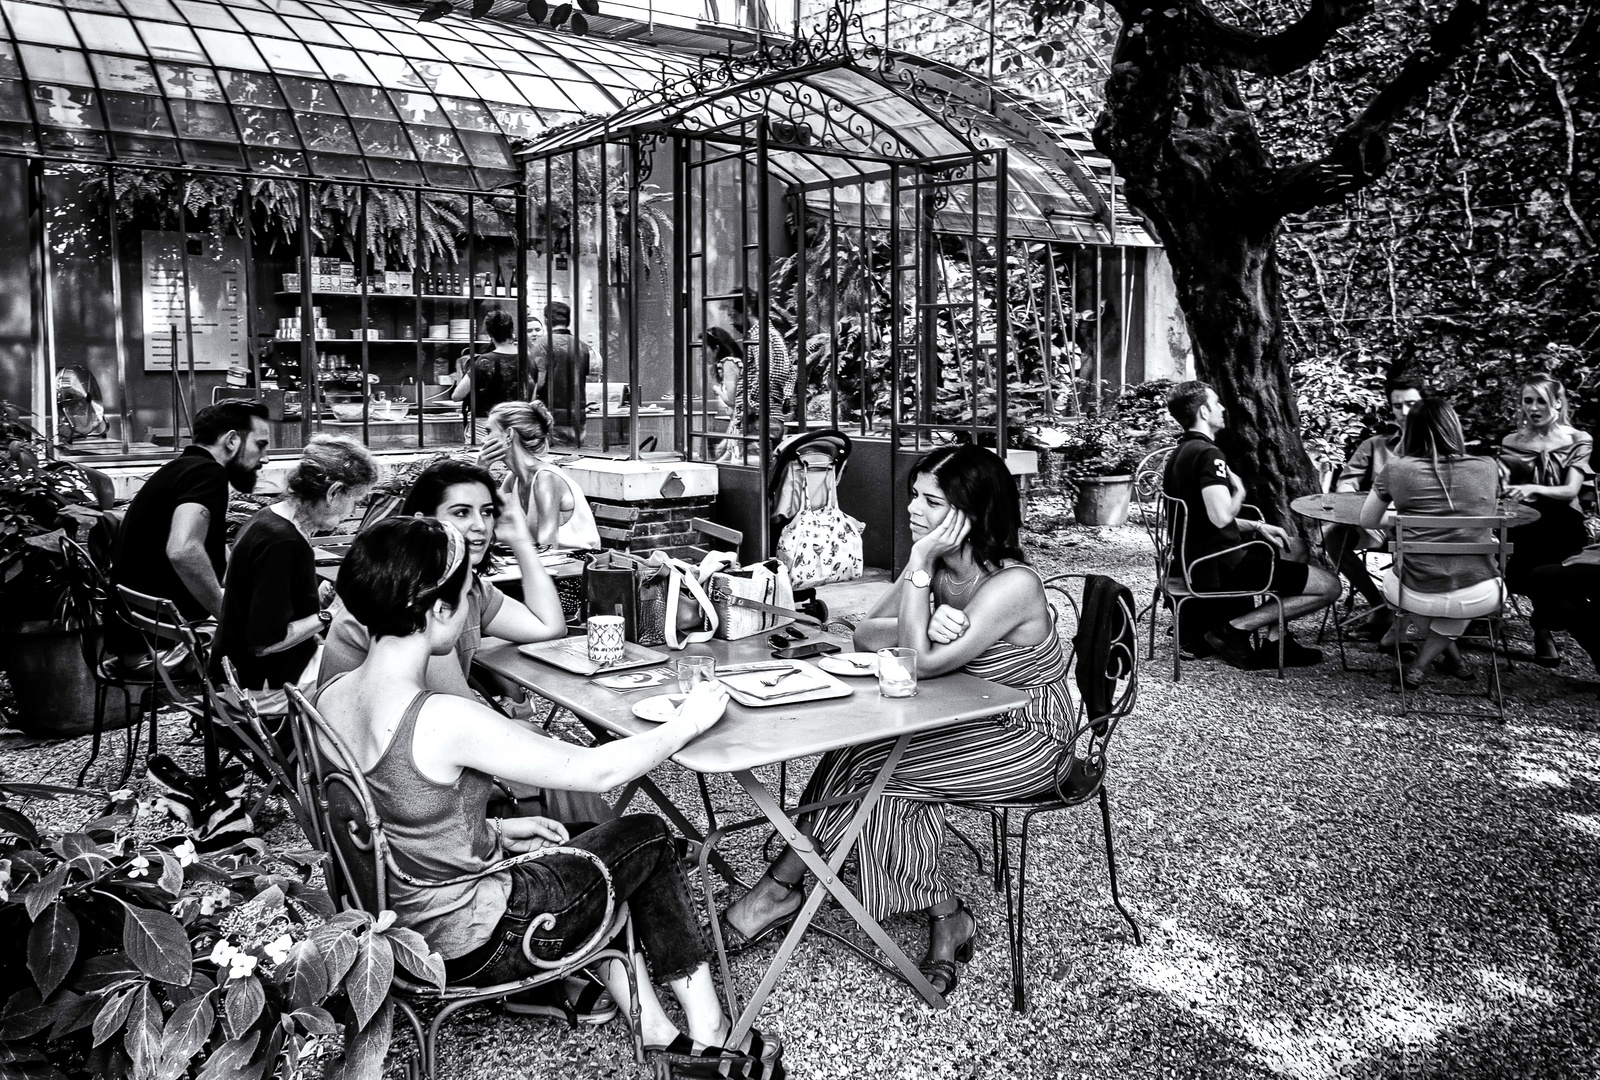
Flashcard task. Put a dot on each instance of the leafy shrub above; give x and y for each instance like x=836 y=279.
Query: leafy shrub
x=40 y=502
x=152 y=961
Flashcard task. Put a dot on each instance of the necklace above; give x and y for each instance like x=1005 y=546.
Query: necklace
x=952 y=582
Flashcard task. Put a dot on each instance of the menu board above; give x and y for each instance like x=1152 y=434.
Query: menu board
x=216 y=309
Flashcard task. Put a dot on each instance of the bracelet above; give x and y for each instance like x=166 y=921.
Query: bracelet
x=494 y=823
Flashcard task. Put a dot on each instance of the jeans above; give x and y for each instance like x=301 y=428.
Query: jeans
x=644 y=872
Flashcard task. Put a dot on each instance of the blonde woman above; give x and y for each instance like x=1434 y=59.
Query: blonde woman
x=1544 y=463
x=558 y=512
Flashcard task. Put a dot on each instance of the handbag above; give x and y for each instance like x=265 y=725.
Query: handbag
x=616 y=583
x=765 y=583
x=822 y=545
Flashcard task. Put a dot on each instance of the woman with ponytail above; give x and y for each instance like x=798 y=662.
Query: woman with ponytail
x=558 y=512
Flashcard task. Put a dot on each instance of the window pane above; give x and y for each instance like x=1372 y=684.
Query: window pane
x=183 y=81
x=469 y=114
x=314 y=30
x=366 y=101
x=588 y=97
x=461 y=52
x=137 y=112
x=168 y=42
x=338 y=165
x=118 y=73
x=415 y=46
x=437 y=144
x=146 y=147
x=249 y=88
x=213 y=153
x=279 y=161
x=381 y=139
x=13 y=101
x=17 y=136
x=231 y=50
x=203 y=120
x=486 y=150
x=418 y=108
x=388 y=169
x=518 y=123
x=365 y=40
x=327 y=133
x=261 y=22
x=265 y=127
x=342 y=65
x=66 y=106
x=213 y=16
x=288 y=56
x=66 y=141
x=152 y=9
x=335 y=15
x=55 y=65
x=31 y=22
x=9 y=68
x=452 y=176
x=109 y=7
x=392 y=71
x=287 y=7
x=107 y=32
x=310 y=95
x=544 y=91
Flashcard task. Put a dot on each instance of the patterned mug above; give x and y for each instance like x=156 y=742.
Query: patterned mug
x=605 y=638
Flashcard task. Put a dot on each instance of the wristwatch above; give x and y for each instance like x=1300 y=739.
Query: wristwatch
x=921 y=579
x=327 y=618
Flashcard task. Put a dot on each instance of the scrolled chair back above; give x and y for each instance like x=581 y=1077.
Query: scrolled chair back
x=1104 y=660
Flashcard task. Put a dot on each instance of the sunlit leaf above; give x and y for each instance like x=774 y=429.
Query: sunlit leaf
x=52 y=946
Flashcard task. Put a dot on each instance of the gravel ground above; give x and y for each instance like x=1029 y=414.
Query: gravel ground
x=1327 y=889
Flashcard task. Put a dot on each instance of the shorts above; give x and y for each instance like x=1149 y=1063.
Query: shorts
x=1251 y=573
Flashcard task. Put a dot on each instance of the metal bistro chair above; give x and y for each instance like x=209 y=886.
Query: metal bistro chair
x=1175 y=576
x=1492 y=614
x=363 y=863
x=90 y=596
x=1105 y=661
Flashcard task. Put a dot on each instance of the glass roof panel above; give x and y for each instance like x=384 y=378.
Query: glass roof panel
x=469 y=114
x=310 y=95
x=152 y=9
x=343 y=65
x=261 y=22
x=32 y=22
x=379 y=138
x=437 y=144
x=251 y=88
x=265 y=127
x=55 y=65
x=125 y=74
x=221 y=155
x=9 y=68
x=328 y=133
x=66 y=106
x=136 y=113
x=517 y=123
x=486 y=150
x=313 y=31
x=212 y=16
x=168 y=42
x=232 y=50
x=110 y=7
x=415 y=46
x=287 y=7
x=364 y=39
x=109 y=33
x=368 y=102
x=184 y=81
x=275 y=160
x=204 y=120
x=287 y=57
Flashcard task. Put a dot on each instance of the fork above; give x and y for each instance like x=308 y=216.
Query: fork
x=782 y=675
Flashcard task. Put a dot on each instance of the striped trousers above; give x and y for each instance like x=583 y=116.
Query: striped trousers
x=899 y=848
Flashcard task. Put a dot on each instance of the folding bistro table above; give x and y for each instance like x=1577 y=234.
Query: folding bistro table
x=748 y=738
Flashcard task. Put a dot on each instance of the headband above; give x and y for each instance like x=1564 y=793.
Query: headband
x=458 y=554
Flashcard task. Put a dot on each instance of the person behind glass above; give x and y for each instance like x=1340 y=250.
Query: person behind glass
x=1544 y=463
x=1358 y=474
x=492 y=377
x=557 y=511
x=738 y=359
x=1433 y=476
x=273 y=611
x=173 y=542
x=967 y=601
x=1198 y=474
x=465 y=497
x=430 y=760
x=561 y=375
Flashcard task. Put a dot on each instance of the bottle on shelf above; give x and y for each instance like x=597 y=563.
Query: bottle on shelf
x=499 y=280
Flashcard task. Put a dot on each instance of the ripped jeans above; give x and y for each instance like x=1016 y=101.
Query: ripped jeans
x=645 y=873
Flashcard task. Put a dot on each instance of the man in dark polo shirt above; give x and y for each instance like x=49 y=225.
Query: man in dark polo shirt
x=1197 y=473
x=561 y=375
x=174 y=537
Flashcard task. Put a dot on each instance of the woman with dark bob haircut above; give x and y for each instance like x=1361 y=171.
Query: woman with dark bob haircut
x=430 y=760
x=967 y=601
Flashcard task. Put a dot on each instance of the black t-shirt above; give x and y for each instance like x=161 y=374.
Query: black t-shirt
x=1194 y=466
x=494 y=379
x=141 y=561
x=272 y=581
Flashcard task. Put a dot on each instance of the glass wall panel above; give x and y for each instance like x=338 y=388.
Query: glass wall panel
x=18 y=384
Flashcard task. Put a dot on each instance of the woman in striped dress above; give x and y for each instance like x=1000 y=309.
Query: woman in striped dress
x=967 y=601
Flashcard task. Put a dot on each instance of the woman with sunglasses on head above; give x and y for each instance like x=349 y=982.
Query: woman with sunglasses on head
x=967 y=601
x=556 y=509
x=1544 y=463
x=430 y=760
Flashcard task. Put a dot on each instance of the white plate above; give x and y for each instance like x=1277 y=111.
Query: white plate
x=840 y=664
x=658 y=709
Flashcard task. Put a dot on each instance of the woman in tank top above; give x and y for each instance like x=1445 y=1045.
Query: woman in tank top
x=430 y=760
x=967 y=601
x=558 y=513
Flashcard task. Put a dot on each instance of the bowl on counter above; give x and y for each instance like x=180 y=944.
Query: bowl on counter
x=347 y=411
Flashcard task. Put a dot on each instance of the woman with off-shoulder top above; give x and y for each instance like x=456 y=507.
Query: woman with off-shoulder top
x=1544 y=463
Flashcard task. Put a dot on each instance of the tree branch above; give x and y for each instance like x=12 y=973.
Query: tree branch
x=1287 y=51
x=1360 y=154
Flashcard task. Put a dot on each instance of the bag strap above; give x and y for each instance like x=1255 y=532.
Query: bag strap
x=683 y=576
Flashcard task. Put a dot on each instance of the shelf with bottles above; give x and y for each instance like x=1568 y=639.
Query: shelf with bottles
x=336 y=277
x=397 y=296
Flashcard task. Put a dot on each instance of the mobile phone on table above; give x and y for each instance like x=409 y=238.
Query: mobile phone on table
x=810 y=648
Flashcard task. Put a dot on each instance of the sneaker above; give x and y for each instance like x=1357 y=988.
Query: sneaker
x=577 y=1001
x=1232 y=644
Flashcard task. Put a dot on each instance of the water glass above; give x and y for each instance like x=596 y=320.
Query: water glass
x=605 y=638
x=897 y=672
x=693 y=670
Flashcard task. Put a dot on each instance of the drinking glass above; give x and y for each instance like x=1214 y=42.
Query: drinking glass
x=693 y=670
x=897 y=672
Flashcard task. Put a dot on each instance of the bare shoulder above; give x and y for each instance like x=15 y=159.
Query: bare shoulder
x=1016 y=583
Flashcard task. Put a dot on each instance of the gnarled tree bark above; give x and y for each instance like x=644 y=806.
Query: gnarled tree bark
x=1192 y=161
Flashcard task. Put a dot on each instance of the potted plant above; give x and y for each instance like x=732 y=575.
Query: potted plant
x=1100 y=453
x=41 y=647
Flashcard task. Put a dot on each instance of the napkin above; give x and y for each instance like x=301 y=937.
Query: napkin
x=750 y=684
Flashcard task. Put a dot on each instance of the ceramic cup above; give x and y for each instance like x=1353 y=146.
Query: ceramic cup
x=605 y=638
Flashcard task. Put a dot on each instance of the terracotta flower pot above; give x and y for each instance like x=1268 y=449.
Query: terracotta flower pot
x=53 y=689
x=1103 y=500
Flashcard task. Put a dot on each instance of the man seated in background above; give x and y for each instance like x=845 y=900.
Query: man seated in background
x=1197 y=473
x=1359 y=473
x=173 y=542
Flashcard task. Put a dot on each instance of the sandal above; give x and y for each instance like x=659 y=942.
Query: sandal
x=760 y=1060
x=1409 y=678
x=938 y=970
x=577 y=1001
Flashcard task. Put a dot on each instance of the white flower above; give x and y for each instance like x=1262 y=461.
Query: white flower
x=186 y=853
x=139 y=867
x=211 y=903
x=386 y=919
x=5 y=894
x=241 y=965
x=278 y=951
x=223 y=952
x=122 y=795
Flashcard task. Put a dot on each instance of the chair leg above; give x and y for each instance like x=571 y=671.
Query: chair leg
x=100 y=692
x=1019 y=978
x=1177 y=637
x=1155 y=611
x=1111 y=865
x=636 y=1024
x=997 y=840
x=967 y=840
x=148 y=703
x=430 y=1050
x=1496 y=691
x=416 y=1029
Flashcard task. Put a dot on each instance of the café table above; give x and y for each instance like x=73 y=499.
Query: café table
x=750 y=738
x=1344 y=508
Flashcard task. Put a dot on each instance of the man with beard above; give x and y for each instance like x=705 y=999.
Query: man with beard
x=173 y=542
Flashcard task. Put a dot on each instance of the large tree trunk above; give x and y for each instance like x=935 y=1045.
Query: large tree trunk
x=1192 y=163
